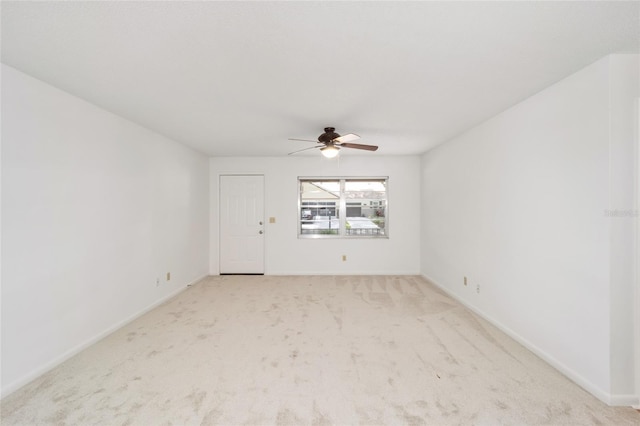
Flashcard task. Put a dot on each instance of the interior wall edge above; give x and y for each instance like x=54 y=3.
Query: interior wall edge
x=50 y=365
x=602 y=395
x=637 y=245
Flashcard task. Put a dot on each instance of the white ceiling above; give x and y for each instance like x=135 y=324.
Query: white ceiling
x=239 y=78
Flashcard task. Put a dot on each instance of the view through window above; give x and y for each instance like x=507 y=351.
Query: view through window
x=347 y=207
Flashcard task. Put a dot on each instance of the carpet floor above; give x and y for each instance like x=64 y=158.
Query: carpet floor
x=308 y=350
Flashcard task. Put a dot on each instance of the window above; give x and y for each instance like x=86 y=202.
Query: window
x=342 y=207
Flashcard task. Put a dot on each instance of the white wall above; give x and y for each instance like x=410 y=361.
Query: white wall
x=623 y=81
x=518 y=205
x=94 y=209
x=286 y=254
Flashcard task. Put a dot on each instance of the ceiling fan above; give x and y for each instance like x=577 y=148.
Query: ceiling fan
x=330 y=143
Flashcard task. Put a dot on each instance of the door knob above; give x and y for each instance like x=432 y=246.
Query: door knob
x=260 y=223
x=260 y=232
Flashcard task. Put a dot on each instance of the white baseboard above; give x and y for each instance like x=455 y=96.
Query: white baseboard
x=607 y=398
x=340 y=273
x=17 y=384
x=625 y=401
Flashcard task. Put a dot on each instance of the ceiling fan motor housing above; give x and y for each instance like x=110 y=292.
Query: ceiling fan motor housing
x=328 y=135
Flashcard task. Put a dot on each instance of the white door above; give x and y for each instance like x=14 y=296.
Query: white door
x=241 y=224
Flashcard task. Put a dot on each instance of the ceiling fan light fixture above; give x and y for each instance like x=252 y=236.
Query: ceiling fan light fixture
x=330 y=151
x=331 y=142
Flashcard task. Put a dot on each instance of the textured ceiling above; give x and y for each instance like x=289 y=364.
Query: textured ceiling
x=239 y=78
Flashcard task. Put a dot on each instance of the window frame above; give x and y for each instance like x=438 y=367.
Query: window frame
x=341 y=207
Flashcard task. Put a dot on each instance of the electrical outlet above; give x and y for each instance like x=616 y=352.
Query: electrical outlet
x=272 y=220
x=465 y=280
x=344 y=257
x=168 y=276
x=478 y=288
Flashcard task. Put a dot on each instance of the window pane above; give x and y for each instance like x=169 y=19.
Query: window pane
x=319 y=207
x=366 y=202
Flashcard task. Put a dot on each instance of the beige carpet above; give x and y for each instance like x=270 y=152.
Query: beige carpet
x=308 y=351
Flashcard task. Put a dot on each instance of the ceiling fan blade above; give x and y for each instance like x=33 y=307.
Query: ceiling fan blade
x=359 y=146
x=347 y=138
x=305 y=149
x=303 y=140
